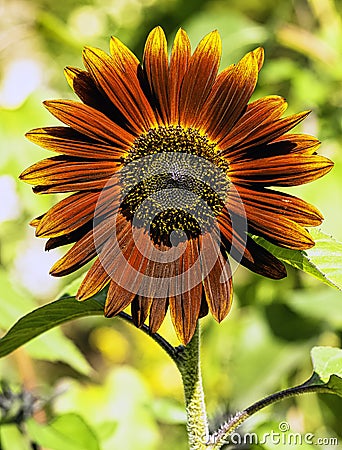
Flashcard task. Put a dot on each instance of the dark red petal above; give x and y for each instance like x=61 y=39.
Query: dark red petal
x=95 y=280
x=82 y=83
x=297 y=144
x=118 y=78
x=156 y=68
x=68 y=215
x=245 y=251
x=199 y=78
x=277 y=203
x=83 y=250
x=267 y=132
x=185 y=305
x=140 y=308
x=276 y=226
x=180 y=56
x=217 y=284
x=259 y=260
x=117 y=300
x=259 y=113
x=284 y=170
x=70 y=142
x=158 y=312
x=90 y=122
x=70 y=174
x=226 y=103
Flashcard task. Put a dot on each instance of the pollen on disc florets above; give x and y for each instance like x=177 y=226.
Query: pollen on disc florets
x=173 y=179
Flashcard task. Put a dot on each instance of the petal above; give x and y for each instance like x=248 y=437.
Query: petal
x=267 y=132
x=68 y=215
x=158 y=312
x=291 y=143
x=117 y=300
x=227 y=101
x=140 y=308
x=248 y=253
x=80 y=254
x=118 y=78
x=180 y=56
x=264 y=200
x=69 y=142
x=259 y=260
x=76 y=210
x=288 y=170
x=90 y=122
x=83 y=250
x=70 y=174
x=104 y=269
x=185 y=305
x=156 y=68
x=260 y=112
x=95 y=280
x=199 y=78
x=218 y=285
x=68 y=238
x=82 y=83
x=274 y=225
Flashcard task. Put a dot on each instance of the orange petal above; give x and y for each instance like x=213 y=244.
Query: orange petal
x=140 y=308
x=90 y=122
x=156 y=68
x=118 y=78
x=70 y=174
x=199 y=78
x=82 y=83
x=158 y=312
x=274 y=225
x=95 y=280
x=185 y=306
x=58 y=220
x=226 y=102
x=117 y=300
x=180 y=56
x=284 y=170
x=217 y=284
x=267 y=132
x=69 y=142
x=258 y=113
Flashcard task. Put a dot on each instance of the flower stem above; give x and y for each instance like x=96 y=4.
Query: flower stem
x=221 y=436
x=188 y=363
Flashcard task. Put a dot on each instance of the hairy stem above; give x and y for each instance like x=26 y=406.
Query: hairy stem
x=188 y=363
x=221 y=436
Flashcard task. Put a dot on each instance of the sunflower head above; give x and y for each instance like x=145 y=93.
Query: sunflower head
x=169 y=166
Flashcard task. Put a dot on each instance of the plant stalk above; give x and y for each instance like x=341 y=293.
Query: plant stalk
x=188 y=363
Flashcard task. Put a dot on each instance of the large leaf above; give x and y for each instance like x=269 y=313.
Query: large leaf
x=66 y=432
x=49 y=316
x=323 y=261
x=327 y=364
x=54 y=345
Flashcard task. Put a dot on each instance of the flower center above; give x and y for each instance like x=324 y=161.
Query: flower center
x=174 y=183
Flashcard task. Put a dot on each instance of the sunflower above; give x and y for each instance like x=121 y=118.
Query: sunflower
x=170 y=167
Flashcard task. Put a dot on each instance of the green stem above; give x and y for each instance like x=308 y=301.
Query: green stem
x=188 y=363
x=221 y=436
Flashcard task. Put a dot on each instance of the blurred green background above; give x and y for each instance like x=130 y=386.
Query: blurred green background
x=117 y=379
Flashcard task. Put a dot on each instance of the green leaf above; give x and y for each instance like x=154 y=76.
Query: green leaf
x=323 y=261
x=55 y=346
x=327 y=363
x=66 y=432
x=49 y=316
